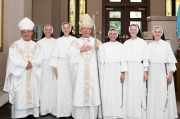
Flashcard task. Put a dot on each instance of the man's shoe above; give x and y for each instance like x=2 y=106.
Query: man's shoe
x=31 y=117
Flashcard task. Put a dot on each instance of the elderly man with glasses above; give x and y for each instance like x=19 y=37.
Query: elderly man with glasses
x=23 y=74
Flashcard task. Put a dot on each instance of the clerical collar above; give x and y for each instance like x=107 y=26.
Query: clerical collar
x=86 y=39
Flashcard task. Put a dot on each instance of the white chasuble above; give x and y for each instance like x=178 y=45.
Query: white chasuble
x=24 y=86
x=84 y=76
x=62 y=88
x=161 y=53
x=112 y=61
x=47 y=76
x=137 y=56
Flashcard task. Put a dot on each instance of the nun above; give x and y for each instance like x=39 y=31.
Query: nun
x=161 y=93
x=112 y=69
x=62 y=89
x=137 y=57
x=47 y=44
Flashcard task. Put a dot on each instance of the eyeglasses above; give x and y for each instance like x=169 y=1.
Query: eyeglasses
x=24 y=32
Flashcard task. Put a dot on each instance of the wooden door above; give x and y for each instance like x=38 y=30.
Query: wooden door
x=120 y=18
x=130 y=11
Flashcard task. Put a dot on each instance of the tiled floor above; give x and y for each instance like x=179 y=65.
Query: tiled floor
x=7 y=113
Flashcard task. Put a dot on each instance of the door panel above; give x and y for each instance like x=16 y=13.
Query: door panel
x=120 y=18
x=114 y=19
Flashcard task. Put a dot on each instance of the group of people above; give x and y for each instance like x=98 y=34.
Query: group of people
x=61 y=77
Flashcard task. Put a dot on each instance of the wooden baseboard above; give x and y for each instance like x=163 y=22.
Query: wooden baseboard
x=177 y=96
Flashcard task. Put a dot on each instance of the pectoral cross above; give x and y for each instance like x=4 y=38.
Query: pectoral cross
x=28 y=56
x=87 y=54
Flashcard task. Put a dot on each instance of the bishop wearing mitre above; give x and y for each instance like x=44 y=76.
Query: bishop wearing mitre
x=84 y=74
x=22 y=81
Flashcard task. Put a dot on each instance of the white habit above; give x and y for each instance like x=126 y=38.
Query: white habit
x=160 y=52
x=137 y=56
x=24 y=86
x=112 y=63
x=62 y=89
x=84 y=75
x=47 y=76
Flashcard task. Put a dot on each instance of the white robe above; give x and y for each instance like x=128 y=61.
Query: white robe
x=112 y=62
x=47 y=76
x=24 y=86
x=62 y=89
x=84 y=75
x=160 y=53
x=134 y=86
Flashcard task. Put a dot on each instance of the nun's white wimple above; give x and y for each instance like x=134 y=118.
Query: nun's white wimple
x=50 y=26
x=136 y=27
x=63 y=25
x=111 y=30
x=157 y=27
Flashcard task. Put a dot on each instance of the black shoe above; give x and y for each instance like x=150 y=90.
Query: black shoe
x=71 y=117
x=62 y=117
x=30 y=117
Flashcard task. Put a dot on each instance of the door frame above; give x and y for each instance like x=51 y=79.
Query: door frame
x=105 y=4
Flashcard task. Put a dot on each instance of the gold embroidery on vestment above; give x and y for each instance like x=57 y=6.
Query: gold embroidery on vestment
x=13 y=45
x=76 y=44
x=29 y=55
x=26 y=54
x=86 y=81
x=29 y=89
x=20 y=50
x=86 y=70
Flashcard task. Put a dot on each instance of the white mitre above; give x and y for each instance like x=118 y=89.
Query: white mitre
x=26 y=23
x=86 y=20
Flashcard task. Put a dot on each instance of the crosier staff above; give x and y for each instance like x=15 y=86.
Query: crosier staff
x=95 y=33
